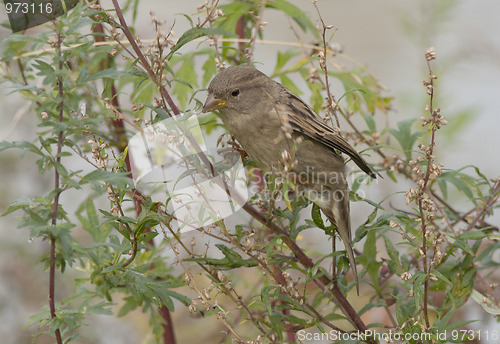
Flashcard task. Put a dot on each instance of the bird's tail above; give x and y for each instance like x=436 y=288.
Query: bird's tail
x=338 y=213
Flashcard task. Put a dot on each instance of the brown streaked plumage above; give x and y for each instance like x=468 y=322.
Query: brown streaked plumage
x=258 y=111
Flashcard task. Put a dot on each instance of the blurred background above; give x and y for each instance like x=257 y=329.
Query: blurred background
x=389 y=37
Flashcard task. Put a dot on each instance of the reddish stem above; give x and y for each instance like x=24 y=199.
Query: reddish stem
x=52 y=268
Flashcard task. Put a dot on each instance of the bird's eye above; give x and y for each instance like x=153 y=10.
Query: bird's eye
x=235 y=93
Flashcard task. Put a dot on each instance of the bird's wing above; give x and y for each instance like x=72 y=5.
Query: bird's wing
x=305 y=121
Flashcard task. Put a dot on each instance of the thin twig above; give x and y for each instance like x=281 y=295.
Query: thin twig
x=488 y=289
x=255 y=32
x=58 y=191
x=331 y=106
x=429 y=151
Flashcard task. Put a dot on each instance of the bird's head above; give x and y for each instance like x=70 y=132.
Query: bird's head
x=240 y=88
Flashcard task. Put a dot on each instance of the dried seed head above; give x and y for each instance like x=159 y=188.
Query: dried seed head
x=430 y=54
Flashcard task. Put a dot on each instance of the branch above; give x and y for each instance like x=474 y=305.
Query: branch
x=60 y=139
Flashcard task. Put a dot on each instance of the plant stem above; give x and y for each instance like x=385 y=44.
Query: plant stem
x=52 y=268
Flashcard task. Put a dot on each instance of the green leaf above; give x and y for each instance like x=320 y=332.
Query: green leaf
x=24 y=145
x=282 y=59
x=109 y=73
x=462 y=278
x=265 y=296
x=463 y=245
x=461 y=181
x=129 y=306
x=394 y=264
x=232 y=13
x=441 y=277
x=182 y=298
x=360 y=91
x=288 y=83
x=231 y=260
x=298 y=15
x=334 y=316
x=197 y=32
x=186 y=78
x=443 y=186
x=405 y=137
x=147 y=219
x=159 y=111
x=98 y=231
x=119 y=179
x=148 y=236
x=285 y=189
x=44 y=68
x=112 y=268
x=473 y=235
x=370 y=254
x=295 y=320
x=209 y=68
x=316 y=216
x=354 y=197
x=15 y=44
x=370 y=122
x=488 y=307
x=368 y=306
x=22 y=203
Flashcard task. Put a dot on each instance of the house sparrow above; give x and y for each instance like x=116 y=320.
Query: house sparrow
x=270 y=122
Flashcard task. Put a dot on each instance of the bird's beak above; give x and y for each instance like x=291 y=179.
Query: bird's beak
x=212 y=103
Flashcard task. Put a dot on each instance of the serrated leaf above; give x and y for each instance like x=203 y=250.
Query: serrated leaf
x=405 y=136
x=90 y=223
x=22 y=203
x=129 y=306
x=283 y=58
x=43 y=67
